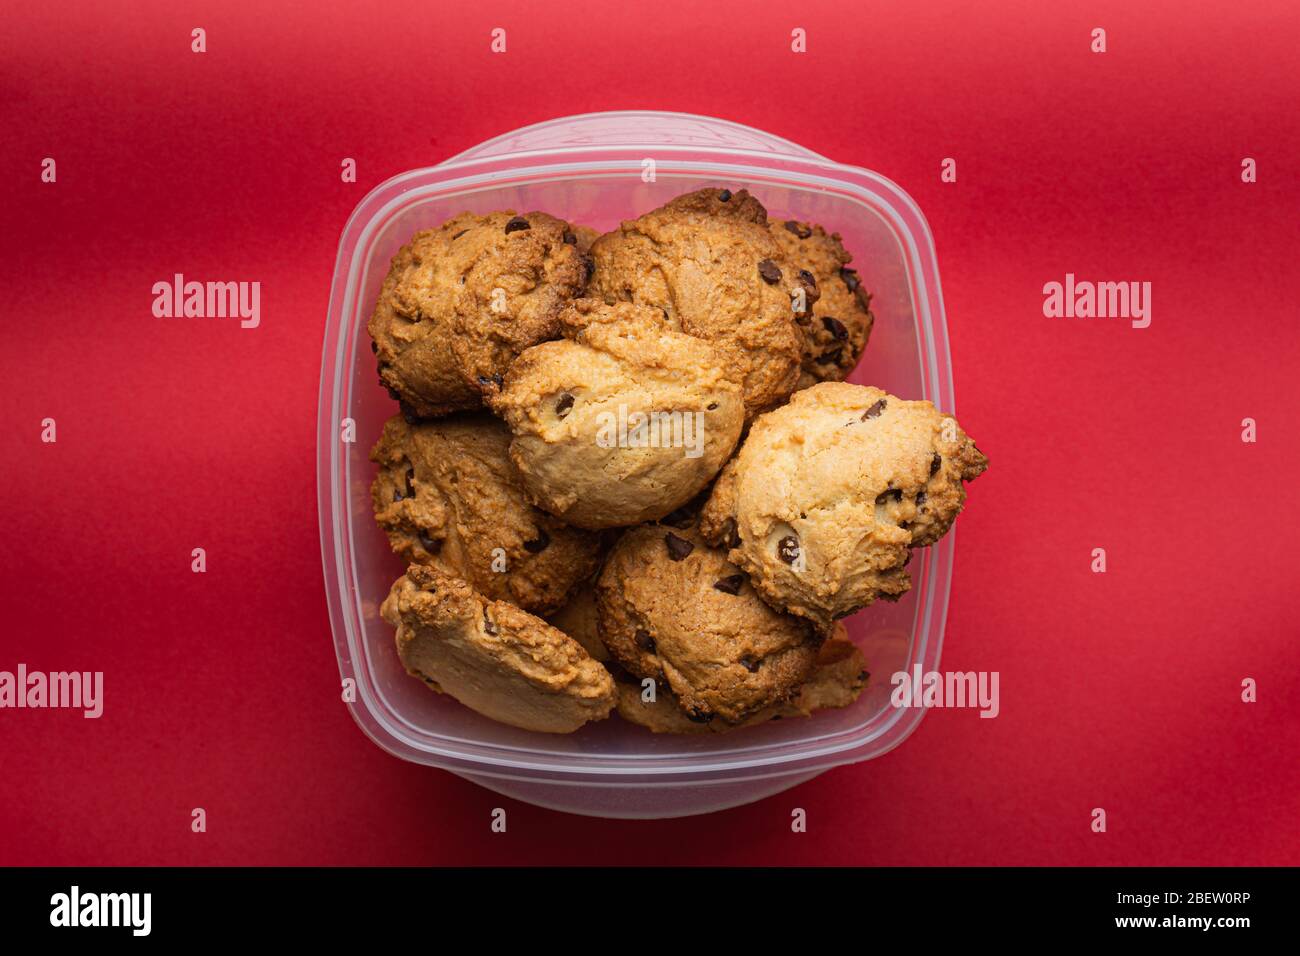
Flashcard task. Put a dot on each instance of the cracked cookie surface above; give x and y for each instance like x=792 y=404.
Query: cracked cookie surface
x=708 y=262
x=493 y=657
x=621 y=422
x=448 y=496
x=460 y=302
x=829 y=494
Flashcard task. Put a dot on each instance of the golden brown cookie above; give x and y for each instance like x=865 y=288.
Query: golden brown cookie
x=836 y=332
x=828 y=495
x=837 y=680
x=412 y=323
x=622 y=422
x=674 y=609
x=578 y=619
x=515 y=273
x=461 y=301
x=493 y=657
x=708 y=261
x=448 y=496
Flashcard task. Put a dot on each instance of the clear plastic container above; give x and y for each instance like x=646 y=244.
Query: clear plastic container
x=589 y=169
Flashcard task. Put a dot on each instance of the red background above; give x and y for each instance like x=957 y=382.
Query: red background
x=1119 y=690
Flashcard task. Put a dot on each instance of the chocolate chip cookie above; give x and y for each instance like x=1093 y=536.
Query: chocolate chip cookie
x=837 y=680
x=462 y=301
x=675 y=609
x=828 y=495
x=623 y=421
x=413 y=321
x=515 y=275
x=708 y=261
x=448 y=496
x=493 y=657
x=837 y=330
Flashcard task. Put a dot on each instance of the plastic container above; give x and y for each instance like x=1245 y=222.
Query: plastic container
x=593 y=170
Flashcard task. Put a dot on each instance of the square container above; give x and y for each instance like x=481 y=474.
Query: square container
x=594 y=170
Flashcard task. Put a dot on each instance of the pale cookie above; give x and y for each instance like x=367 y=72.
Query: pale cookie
x=494 y=658
x=621 y=423
x=708 y=261
x=448 y=496
x=837 y=331
x=829 y=494
x=674 y=609
x=837 y=680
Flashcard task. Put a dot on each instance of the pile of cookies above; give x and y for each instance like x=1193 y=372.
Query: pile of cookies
x=627 y=474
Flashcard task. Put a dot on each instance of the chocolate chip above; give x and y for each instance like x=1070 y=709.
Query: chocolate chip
x=410 y=477
x=769 y=271
x=787 y=549
x=808 y=280
x=864 y=297
x=488 y=624
x=711 y=406
x=798 y=228
x=831 y=357
x=731 y=584
x=516 y=224
x=374 y=346
x=699 y=716
x=408 y=412
x=935 y=462
x=397 y=494
x=863 y=675
x=920 y=501
x=564 y=405
x=850 y=279
x=496 y=380
x=835 y=327
x=681 y=517
x=749 y=664
x=461 y=233
x=724 y=195
x=874 y=411
x=569 y=238
x=730 y=534
x=538 y=544
x=645 y=641
x=894 y=493
x=678 y=548
x=589 y=266
x=429 y=544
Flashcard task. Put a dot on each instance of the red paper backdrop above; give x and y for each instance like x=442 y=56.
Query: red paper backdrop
x=1119 y=690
